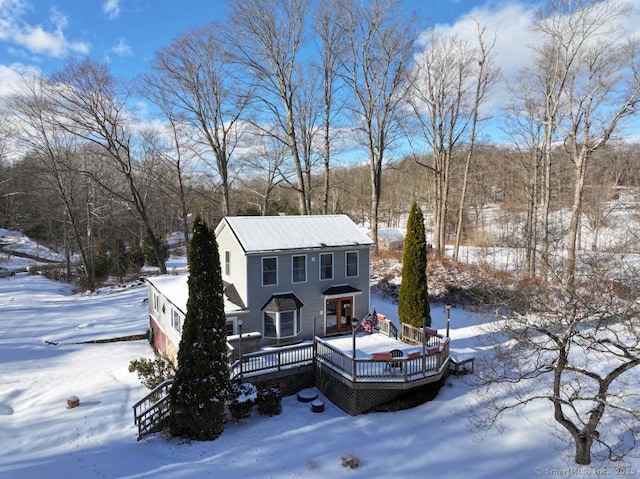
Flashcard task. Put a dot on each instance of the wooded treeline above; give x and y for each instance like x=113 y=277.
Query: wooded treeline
x=331 y=106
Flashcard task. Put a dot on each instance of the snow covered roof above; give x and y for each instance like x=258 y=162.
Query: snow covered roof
x=390 y=234
x=176 y=289
x=273 y=233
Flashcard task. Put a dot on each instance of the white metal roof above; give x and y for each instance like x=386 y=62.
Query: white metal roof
x=273 y=233
x=176 y=289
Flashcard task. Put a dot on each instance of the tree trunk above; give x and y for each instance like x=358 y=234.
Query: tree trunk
x=576 y=211
x=546 y=206
x=376 y=190
x=583 y=448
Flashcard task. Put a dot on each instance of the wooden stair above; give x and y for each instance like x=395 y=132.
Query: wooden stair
x=149 y=412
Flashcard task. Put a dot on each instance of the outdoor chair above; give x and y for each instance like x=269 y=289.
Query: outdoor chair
x=396 y=353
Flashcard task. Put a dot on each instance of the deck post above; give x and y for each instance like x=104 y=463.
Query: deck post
x=424 y=346
x=354 y=327
x=448 y=306
x=240 y=346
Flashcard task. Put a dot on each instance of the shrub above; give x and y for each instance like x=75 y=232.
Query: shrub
x=151 y=372
x=241 y=401
x=269 y=400
x=351 y=461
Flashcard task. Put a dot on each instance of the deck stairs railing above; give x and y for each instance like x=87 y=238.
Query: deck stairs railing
x=152 y=409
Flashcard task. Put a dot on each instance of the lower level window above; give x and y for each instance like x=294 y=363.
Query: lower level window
x=281 y=325
x=175 y=321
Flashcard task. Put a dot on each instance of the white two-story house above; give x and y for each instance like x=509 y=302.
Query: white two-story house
x=283 y=275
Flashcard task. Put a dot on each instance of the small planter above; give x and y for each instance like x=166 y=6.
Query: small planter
x=317 y=405
x=307 y=395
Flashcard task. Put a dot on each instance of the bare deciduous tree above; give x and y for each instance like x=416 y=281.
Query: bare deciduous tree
x=263 y=165
x=91 y=104
x=486 y=76
x=332 y=45
x=380 y=47
x=195 y=81
x=448 y=83
x=56 y=150
x=571 y=348
x=267 y=36
x=603 y=88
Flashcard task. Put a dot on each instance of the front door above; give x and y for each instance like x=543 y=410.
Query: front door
x=338 y=317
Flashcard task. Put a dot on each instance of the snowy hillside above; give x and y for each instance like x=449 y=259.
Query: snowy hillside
x=18 y=251
x=42 y=438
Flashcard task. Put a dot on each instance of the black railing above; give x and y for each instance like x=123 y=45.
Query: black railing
x=271 y=360
x=152 y=409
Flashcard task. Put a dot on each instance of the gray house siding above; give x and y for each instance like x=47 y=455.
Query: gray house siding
x=309 y=292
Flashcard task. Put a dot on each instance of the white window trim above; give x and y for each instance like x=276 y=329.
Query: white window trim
x=262 y=270
x=297 y=325
x=227 y=262
x=305 y=268
x=333 y=266
x=234 y=321
x=346 y=264
x=176 y=313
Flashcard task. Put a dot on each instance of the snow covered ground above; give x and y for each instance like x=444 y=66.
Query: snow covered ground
x=42 y=438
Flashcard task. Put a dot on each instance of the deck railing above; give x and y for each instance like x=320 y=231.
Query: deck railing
x=388 y=328
x=400 y=369
x=152 y=409
x=271 y=360
x=414 y=335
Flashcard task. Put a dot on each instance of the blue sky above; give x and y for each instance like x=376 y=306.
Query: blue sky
x=40 y=34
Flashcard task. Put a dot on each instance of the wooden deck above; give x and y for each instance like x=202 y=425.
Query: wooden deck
x=354 y=379
x=426 y=360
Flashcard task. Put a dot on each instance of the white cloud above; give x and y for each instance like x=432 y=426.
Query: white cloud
x=122 y=49
x=37 y=39
x=10 y=76
x=10 y=12
x=510 y=23
x=111 y=8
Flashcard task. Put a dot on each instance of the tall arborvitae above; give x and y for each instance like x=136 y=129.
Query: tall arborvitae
x=201 y=382
x=413 y=299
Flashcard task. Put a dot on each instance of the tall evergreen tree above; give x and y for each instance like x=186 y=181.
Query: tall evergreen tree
x=201 y=384
x=413 y=299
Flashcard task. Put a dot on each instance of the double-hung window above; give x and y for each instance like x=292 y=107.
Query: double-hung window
x=227 y=262
x=269 y=271
x=156 y=302
x=175 y=320
x=299 y=269
x=351 y=262
x=326 y=265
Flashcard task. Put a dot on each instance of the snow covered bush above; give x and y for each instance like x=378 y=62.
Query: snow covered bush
x=269 y=400
x=241 y=401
